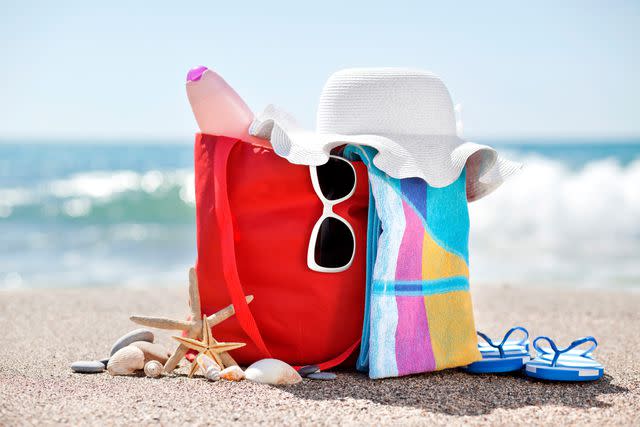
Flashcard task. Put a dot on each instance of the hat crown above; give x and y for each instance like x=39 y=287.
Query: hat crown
x=385 y=101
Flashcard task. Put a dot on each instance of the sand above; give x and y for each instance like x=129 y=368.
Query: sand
x=43 y=331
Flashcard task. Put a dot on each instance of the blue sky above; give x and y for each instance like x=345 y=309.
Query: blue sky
x=116 y=69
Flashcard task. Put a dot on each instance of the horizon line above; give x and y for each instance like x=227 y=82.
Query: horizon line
x=180 y=139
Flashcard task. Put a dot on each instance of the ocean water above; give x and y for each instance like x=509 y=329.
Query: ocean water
x=122 y=213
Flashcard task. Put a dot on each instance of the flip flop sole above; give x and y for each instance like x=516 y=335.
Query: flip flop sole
x=497 y=365
x=562 y=373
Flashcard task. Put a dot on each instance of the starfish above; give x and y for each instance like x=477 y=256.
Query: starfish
x=208 y=346
x=193 y=327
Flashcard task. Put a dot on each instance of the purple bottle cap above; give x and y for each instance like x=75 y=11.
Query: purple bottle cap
x=196 y=73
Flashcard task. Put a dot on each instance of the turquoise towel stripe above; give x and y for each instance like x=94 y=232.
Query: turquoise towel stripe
x=448 y=217
x=420 y=287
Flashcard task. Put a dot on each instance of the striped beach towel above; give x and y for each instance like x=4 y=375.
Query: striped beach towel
x=419 y=316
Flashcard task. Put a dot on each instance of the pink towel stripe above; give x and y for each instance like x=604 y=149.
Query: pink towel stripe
x=413 y=341
x=410 y=253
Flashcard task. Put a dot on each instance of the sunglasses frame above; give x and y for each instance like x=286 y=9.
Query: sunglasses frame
x=327 y=212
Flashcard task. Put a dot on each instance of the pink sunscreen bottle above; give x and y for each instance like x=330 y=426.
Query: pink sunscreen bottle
x=218 y=109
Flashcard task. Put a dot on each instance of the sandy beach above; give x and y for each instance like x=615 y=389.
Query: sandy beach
x=45 y=330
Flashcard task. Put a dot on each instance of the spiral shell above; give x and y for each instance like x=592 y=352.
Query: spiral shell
x=153 y=369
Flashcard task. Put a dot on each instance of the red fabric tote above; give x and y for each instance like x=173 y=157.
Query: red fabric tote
x=255 y=212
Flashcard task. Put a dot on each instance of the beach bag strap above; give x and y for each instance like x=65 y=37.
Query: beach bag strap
x=224 y=220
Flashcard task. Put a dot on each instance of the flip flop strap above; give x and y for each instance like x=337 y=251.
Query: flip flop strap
x=505 y=338
x=557 y=352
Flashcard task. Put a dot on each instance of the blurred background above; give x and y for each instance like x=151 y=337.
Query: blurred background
x=96 y=174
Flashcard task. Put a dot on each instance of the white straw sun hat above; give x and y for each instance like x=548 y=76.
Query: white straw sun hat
x=407 y=115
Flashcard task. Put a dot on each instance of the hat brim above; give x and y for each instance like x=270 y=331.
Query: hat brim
x=438 y=159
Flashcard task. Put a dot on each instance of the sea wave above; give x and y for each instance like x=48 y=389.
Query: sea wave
x=104 y=196
x=547 y=202
x=557 y=223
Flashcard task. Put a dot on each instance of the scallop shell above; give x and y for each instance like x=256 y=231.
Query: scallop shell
x=232 y=373
x=126 y=361
x=272 y=371
x=153 y=369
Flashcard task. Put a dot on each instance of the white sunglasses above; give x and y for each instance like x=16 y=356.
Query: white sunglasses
x=332 y=245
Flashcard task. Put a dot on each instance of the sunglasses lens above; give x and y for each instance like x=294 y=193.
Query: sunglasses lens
x=336 y=178
x=334 y=245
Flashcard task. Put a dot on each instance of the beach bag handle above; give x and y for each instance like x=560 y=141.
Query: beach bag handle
x=224 y=221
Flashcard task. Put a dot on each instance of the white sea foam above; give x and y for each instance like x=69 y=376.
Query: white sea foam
x=106 y=184
x=75 y=196
x=557 y=224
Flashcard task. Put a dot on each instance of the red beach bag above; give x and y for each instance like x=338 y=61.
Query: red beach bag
x=254 y=213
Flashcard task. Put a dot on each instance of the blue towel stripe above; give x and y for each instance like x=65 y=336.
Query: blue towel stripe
x=420 y=287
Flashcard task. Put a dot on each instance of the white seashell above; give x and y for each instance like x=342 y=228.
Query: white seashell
x=232 y=373
x=205 y=363
x=153 y=369
x=126 y=361
x=213 y=373
x=272 y=371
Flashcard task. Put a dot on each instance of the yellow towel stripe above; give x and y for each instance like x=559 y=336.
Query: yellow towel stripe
x=438 y=263
x=452 y=329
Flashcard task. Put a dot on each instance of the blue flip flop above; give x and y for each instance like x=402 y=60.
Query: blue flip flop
x=568 y=364
x=508 y=356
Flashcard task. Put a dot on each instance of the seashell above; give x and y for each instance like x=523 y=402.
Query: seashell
x=133 y=336
x=153 y=369
x=213 y=373
x=232 y=373
x=87 y=366
x=153 y=351
x=206 y=363
x=272 y=371
x=126 y=361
